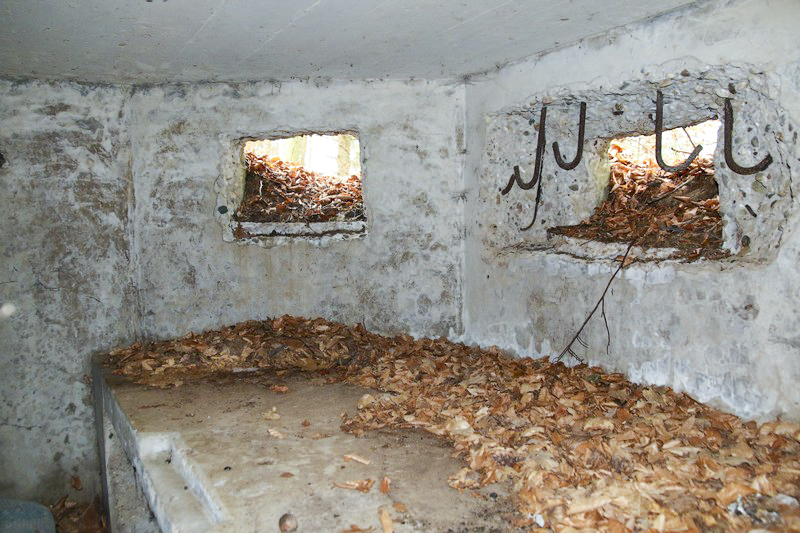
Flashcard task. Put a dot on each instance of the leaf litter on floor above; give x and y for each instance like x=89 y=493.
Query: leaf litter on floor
x=583 y=448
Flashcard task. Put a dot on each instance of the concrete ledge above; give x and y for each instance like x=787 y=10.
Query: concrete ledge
x=230 y=453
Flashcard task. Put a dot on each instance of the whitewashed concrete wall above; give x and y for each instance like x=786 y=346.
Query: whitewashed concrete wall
x=403 y=275
x=64 y=195
x=111 y=233
x=725 y=332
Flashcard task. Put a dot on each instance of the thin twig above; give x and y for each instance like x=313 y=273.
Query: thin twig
x=689 y=137
x=568 y=349
x=605 y=321
x=676 y=189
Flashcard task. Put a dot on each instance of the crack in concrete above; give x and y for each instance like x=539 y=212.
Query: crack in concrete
x=19 y=426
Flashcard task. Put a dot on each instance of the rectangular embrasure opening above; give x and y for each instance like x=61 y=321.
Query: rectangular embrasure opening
x=300 y=180
x=654 y=208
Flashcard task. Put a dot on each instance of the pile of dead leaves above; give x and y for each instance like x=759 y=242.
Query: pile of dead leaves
x=657 y=209
x=276 y=191
x=282 y=343
x=583 y=448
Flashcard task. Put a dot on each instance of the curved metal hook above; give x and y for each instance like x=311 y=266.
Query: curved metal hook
x=517 y=178
x=733 y=165
x=537 y=170
x=660 y=130
x=556 y=152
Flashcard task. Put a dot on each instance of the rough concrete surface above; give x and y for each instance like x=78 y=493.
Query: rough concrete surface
x=127 y=510
x=111 y=232
x=722 y=331
x=761 y=127
x=64 y=278
x=209 y=463
x=402 y=275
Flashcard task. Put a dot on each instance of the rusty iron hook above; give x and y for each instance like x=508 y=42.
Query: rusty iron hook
x=728 y=132
x=537 y=170
x=517 y=178
x=581 y=128
x=660 y=131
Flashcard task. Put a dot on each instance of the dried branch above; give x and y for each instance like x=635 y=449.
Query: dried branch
x=568 y=349
x=605 y=323
x=673 y=191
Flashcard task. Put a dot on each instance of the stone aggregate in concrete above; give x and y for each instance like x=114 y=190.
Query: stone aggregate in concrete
x=723 y=331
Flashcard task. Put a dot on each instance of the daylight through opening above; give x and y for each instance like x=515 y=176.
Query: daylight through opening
x=304 y=178
x=655 y=208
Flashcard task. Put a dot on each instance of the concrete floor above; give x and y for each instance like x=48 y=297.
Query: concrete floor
x=205 y=460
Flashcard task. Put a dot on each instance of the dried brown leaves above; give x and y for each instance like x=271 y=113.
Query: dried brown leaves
x=386 y=520
x=583 y=448
x=74 y=517
x=658 y=209
x=276 y=191
x=362 y=485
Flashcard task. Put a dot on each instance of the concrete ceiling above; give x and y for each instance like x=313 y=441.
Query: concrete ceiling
x=235 y=40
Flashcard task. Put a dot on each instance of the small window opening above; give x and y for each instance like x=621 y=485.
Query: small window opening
x=305 y=178
x=659 y=209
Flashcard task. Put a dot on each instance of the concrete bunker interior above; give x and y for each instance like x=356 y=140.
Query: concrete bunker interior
x=434 y=323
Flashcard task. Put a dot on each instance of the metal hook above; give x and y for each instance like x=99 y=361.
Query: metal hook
x=660 y=130
x=733 y=165
x=537 y=170
x=556 y=152
x=516 y=178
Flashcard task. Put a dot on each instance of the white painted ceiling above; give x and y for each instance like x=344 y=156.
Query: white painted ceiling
x=234 y=40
